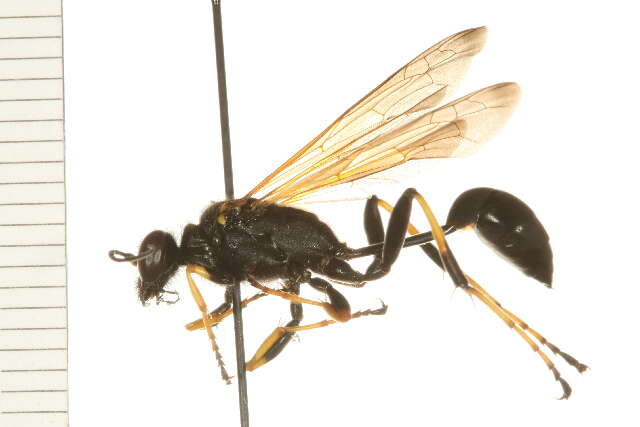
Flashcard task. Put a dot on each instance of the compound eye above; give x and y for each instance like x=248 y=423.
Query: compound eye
x=162 y=258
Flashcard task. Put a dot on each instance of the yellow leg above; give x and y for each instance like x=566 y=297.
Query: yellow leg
x=525 y=327
x=446 y=256
x=259 y=358
x=438 y=235
x=214 y=318
x=282 y=294
x=566 y=389
x=328 y=308
x=197 y=296
x=510 y=319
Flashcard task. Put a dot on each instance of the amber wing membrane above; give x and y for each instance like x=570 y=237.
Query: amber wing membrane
x=397 y=122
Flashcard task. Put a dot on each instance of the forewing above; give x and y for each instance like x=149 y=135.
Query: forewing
x=453 y=130
x=417 y=87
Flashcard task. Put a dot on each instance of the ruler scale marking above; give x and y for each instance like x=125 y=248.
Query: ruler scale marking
x=33 y=293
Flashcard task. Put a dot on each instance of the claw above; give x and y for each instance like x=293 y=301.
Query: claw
x=566 y=388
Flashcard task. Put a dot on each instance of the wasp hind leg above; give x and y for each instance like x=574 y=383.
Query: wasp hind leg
x=393 y=241
x=397 y=229
x=474 y=289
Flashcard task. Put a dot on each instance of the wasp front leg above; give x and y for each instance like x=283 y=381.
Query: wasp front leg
x=197 y=296
x=223 y=311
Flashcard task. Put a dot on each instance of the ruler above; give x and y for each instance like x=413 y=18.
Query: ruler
x=33 y=294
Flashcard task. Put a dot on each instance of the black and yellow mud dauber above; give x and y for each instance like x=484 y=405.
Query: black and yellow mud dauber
x=263 y=237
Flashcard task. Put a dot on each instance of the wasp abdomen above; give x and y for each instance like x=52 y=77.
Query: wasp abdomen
x=509 y=226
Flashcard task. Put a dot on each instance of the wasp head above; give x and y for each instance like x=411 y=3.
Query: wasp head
x=157 y=261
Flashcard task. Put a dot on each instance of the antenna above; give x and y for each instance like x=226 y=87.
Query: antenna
x=228 y=185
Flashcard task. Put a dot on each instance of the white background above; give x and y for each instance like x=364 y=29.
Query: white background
x=143 y=153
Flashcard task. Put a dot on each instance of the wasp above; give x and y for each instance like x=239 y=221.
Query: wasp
x=263 y=237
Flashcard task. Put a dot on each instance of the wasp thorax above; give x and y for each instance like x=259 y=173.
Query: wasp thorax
x=158 y=263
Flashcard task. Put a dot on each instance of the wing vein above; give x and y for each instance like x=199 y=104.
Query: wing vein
x=398 y=121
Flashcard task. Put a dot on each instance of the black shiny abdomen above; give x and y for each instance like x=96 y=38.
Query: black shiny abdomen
x=509 y=226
